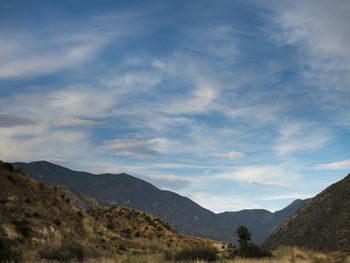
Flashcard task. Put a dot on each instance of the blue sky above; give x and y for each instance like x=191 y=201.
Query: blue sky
x=235 y=104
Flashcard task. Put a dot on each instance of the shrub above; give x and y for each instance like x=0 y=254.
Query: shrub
x=80 y=214
x=122 y=247
x=8 y=253
x=203 y=253
x=251 y=251
x=11 y=179
x=8 y=166
x=57 y=222
x=66 y=253
x=23 y=227
x=247 y=248
x=127 y=233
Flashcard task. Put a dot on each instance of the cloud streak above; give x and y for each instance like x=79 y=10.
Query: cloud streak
x=340 y=165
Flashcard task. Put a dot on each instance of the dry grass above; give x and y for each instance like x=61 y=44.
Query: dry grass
x=282 y=255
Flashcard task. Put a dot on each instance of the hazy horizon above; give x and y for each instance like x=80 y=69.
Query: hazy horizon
x=234 y=104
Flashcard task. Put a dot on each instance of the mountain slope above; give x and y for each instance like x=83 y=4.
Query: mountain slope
x=323 y=223
x=259 y=221
x=42 y=224
x=146 y=230
x=79 y=200
x=182 y=213
x=37 y=220
x=185 y=215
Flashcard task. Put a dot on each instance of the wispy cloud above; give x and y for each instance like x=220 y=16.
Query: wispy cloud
x=340 y=165
x=10 y=120
x=233 y=155
x=299 y=137
x=285 y=197
x=140 y=149
x=73 y=122
x=273 y=176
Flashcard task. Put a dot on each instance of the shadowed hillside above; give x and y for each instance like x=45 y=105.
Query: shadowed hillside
x=323 y=223
x=261 y=222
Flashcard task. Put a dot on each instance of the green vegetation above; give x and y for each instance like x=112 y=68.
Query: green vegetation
x=22 y=227
x=202 y=253
x=8 y=253
x=66 y=253
x=248 y=249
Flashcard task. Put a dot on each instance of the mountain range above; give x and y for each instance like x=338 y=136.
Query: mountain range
x=180 y=212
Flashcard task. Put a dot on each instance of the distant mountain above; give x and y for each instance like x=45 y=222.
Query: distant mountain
x=186 y=216
x=259 y=221
x=323 y=223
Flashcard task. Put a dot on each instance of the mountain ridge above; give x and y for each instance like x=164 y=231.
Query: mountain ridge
x=181 y=212
x=321 y=224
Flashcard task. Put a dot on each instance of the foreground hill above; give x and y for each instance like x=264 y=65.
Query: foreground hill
x=41 y=222
x=146 y=230
x=323 y=223
x=180 y=212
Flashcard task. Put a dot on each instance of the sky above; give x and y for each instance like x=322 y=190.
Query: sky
x=234 y=104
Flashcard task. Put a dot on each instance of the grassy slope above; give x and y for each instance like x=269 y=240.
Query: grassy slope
x=150 y=232
x=323 y=223
x=36 y=218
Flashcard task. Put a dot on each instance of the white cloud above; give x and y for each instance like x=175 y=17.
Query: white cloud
x=258 y=175
x=53 y=58
x=73 y=122
x=298 y=137
x=321 y=25
x=341 y=165
x=136 y=80
x=319 y=32
x=198 y=102
x=39 y=143
x=82 y=102
x=139 y=149
x=233 y=155
x=285 y=197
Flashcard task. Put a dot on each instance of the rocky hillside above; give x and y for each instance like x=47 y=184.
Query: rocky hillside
x=323 y=223
x=41 y=223
x=146 y=230
x=79 y=200
x=180 y=212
